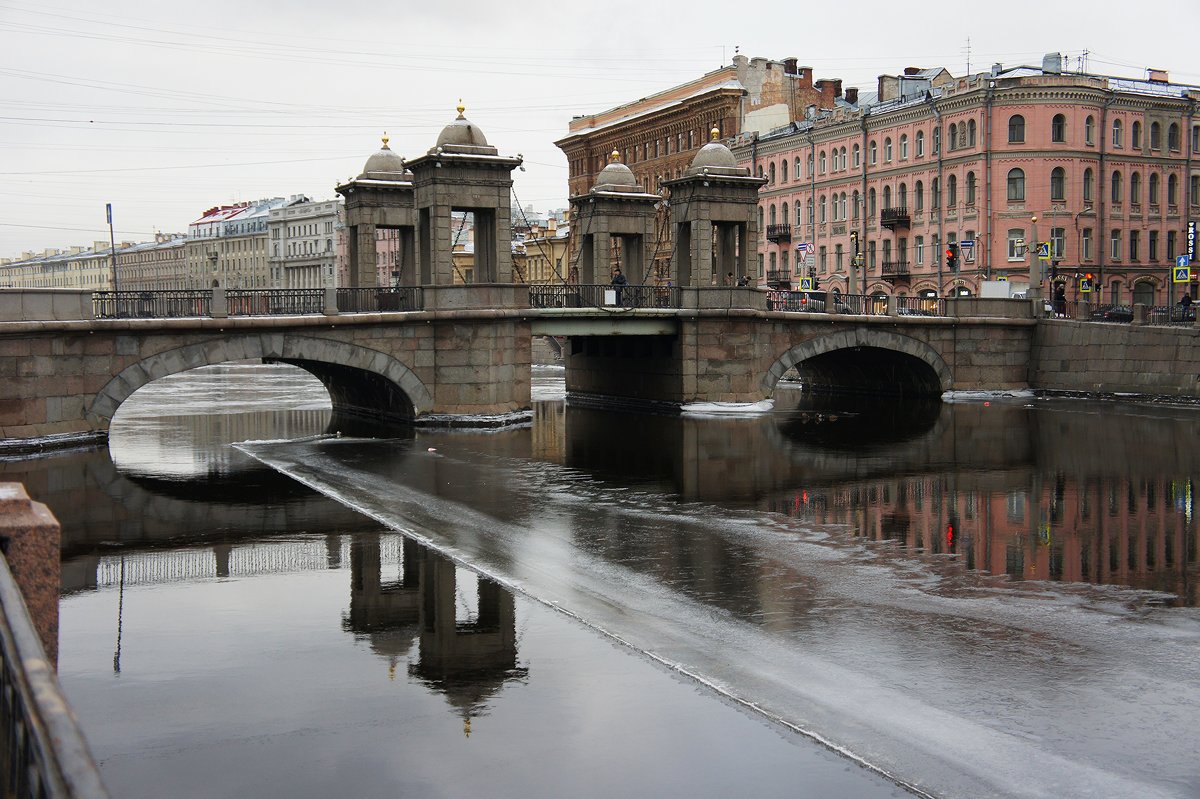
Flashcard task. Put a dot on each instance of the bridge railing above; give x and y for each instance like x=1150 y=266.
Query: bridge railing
x=43 y=754
x=371 y=300
x=574 y=295
x=169 y=304
x=274 y=302
x=921 y=306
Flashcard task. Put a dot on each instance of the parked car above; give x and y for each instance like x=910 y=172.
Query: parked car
x=1118 y=313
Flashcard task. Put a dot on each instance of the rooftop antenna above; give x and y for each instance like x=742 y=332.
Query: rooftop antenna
x=968 y=55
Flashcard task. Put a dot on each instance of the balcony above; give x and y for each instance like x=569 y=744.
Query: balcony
x=779 y=278
x=892 y=218
x=894 y=271
x=778 y=233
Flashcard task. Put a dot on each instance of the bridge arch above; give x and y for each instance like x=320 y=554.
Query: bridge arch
x=882 y=361
x=359 y=380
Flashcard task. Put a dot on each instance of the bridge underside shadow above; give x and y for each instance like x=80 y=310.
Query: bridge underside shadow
x=356 y=394
x=869 y=371
x=614 y=371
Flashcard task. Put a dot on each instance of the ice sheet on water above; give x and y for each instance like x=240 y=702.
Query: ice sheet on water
x=726 y=410
x=976 y=396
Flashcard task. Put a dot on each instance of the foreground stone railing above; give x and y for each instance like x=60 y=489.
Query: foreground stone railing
x=43 y=754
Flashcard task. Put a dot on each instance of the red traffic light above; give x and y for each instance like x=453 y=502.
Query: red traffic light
x=1088 y=276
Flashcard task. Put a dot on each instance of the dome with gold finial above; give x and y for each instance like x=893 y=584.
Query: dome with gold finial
x=713 y=156
x=616 y=176
x=385 y=164
x=461 y=133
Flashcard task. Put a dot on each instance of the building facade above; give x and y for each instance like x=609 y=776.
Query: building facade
x=950 y=182
x=304 y=236
x=227 y=245
x=153 y=266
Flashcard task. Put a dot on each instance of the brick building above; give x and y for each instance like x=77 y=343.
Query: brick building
x=657 y=136
x=1103 y=169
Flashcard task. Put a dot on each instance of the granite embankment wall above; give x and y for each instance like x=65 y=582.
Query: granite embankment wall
x=1115 y=359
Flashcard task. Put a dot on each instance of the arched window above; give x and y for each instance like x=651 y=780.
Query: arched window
x=919 y=196
x=824 y=210
x=1135 y=135
x=1153 y=191
x=970 y=189
x=760 y=218
x=1016 y=185
x=783 y=213
x=887 y=150
x=1058 y=185
x=809 y=204
x=1089 y=130
x=887 y=197
x=970 y=133
x=903 y=146
x=1155 y=136
x=842 y=153
x=952 y=191
x=1058 y=128
x=872 y=154
x=771 y=173
x=771 y=213
x=1088 y=181
x=920 y=144
x=796 y=170
x=1116 y=187
x=843 y=202
x=857 y=157
x=902 y=196
x=783 y=171
x=1172 y=189
x=810 y=164
x=935 y=194
x=1117 y=135
x=1016 y=129
x=952 y=139
x=871 y=209
x=1135 y=189
x=855 y=203
x=1173 y=136
x=822 y=162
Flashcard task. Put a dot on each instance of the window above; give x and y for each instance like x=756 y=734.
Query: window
x=970 y=189
x=1016 y=129
x=1116 y=133
x=1016 y=185
x=1153 y=191
x=799 y=220
x=887 y=150
x=1088 y=180
x=1155 y=136
x=903 y=146
x=871 y=154
x=952 y=191
x=902 y=196
x=1116 y=187
x=796 y=169
x=1058 y=242
x=857 y=156
x=771 y=212
x=837 y=257
x=871 y=203
x=822 y=162
x=1152 y=243
x=1089 y=130
x=1195 y=192
x=937 y=140
x=823 y=210
x=1135 y=189
x=824 y=260
x=854 y=200
x=1114 y=245
x=843 y=202
x=935 y=194
x=1058 y=184
x=810 y=211
x=1133 y=244
x=920 y=144
x=919 y=250
x=952 y=137
x=1058 y=128
x=871 y=254
x=810 y=165
x=783 y=171
x=887 y=197
x=1135 y=135
x=783 y=213
x=771 y=174
x=1196 y=138
x=971 y=133
x=842 y=153
x=1085 y=244
x=1016 y=244
x=1173 y=136
x=1170 y=245
x=919 y=196
x=1172 y=190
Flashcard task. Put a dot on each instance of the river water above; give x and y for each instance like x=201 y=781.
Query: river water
x=995 y=597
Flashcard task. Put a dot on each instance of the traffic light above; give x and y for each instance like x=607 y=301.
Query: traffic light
x=1088 y=276
x=952 y=256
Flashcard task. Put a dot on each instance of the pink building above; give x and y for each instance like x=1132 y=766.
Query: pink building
x=930 y=169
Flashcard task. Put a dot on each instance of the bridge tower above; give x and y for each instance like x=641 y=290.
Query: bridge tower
x=615 y=208
x=462 y=172
x=381 y=198
x=714 y=210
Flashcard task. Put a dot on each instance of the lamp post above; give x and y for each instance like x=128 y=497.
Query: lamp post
x=112 y=245
x=1034 y=260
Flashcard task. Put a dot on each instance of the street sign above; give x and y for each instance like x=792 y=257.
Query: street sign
x=802 y=246
x=1182 y=273
x=1191 y=238
x=1085 y=285
x=1044 y=250
x=810 y=260
x=806 y=284
x=967 y=248
x=1002 y=278
x=966 y=244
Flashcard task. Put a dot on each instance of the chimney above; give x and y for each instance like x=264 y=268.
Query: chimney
x=837 y=87
x=997 y=68
x=825 y=87
x=551 y=224
x=789 y=66
x=1052 y=63
x=1157 y=76
x=805 y=75
x=852 y=95
x=911 y=70
x=99 y=246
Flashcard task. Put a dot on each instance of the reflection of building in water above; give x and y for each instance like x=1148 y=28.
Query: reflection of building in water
x=467 y=659
x=549 y=431
x=1110 y=530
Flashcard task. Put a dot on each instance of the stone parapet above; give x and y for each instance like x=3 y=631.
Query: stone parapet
x=30 y=538
x=34 y=305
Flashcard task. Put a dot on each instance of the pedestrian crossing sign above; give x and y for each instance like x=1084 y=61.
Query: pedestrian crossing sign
x=806 y=284
x=1044 y=250
x=1181 y=272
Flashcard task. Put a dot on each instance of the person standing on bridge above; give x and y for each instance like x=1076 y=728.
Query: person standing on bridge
x=619 y=282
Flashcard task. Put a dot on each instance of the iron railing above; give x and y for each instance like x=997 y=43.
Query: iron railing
x=1171 y=316
x=921 y=306
x=895 y=269
x=894 y=217
x=43 y=751
x=574 y=295
x=168 y=304
x=779 y=233
x=274 y=302
x=371 y=300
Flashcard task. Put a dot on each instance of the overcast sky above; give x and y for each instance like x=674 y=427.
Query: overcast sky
x=166 y=109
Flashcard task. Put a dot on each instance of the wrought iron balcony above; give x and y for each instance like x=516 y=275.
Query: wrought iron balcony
x=895 y=270
x=778 y=278
x=778 y=233
x=892 y=218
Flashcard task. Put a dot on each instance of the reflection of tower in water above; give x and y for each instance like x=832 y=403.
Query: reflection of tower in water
x=466 y=660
